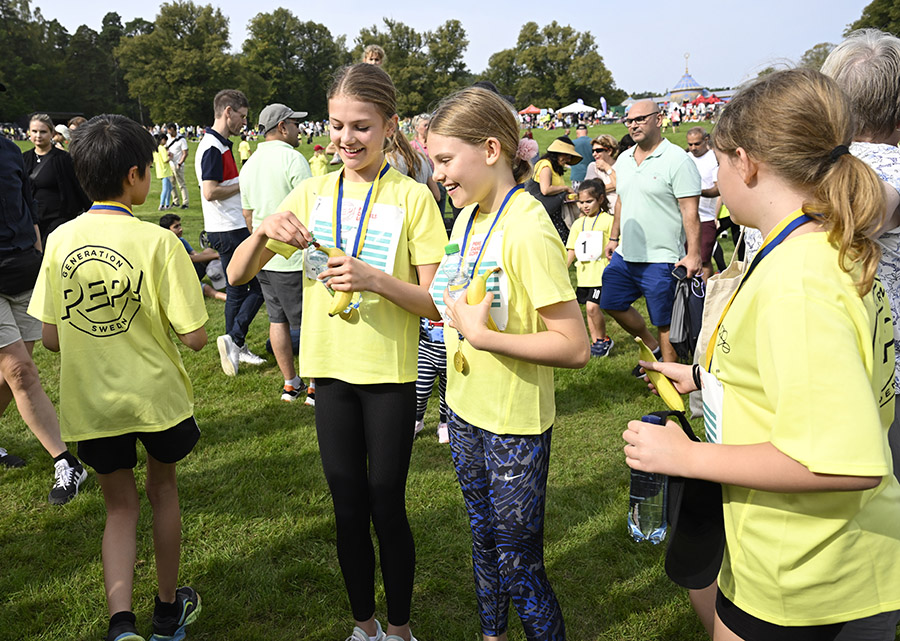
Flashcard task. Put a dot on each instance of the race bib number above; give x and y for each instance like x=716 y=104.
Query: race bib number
x=589 y=245
x=713 y=394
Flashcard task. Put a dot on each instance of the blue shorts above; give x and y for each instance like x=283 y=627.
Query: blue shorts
x=624 y=283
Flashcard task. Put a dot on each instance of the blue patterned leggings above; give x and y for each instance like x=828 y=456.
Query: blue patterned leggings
x=504 y=480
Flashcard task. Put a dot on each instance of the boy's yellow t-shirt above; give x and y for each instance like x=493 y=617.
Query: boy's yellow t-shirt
x=555 y=178
x=244 y=150
x=500 y=394
x=587 y=238
x=807 y=365
x=114 y=286
x=405 y=230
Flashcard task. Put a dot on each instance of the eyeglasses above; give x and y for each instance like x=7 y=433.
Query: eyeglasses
x=639 y=120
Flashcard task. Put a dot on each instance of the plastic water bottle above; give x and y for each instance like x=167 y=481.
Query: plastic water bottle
x=647 y=501
x=457 y=271
x=316 y=262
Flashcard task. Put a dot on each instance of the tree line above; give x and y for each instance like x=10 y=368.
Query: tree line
x=170 y=68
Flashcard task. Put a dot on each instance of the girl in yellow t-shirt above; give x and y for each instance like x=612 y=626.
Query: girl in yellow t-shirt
x=797 y=382
x=364 y=365
x=587 y=238
x=500 y=391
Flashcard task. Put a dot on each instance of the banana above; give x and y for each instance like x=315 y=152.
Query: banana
x=339 y=300
x=667 y=391
x=477 y=290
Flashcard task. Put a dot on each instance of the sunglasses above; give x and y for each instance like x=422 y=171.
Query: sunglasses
x=597 y=150
x=639 y=120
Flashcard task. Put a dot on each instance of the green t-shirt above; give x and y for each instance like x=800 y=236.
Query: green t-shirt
x=650 y=224
x=266 y=178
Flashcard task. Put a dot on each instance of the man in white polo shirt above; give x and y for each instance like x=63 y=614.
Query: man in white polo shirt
x=224 y=222
x=267 y=178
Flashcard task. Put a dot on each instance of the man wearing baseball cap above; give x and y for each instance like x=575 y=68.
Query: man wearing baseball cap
x=267 y=178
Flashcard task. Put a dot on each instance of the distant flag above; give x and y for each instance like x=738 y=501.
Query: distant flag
x=603 y=104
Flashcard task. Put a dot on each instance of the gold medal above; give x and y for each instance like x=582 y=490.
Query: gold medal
x=347 y=314
x=459 y=361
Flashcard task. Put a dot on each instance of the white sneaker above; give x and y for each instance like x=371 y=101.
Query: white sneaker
x=420 y=425
x=228 y=354
x=248 y=357
x=394 y=637
x=360 y=635
x=443 y=433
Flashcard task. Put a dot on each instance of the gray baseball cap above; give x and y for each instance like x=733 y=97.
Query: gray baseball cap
x=275 y=113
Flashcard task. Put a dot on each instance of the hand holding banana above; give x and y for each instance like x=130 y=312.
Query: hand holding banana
x=346 y=275
x=285 y=227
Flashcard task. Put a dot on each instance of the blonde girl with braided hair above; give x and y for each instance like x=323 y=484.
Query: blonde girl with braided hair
x=797 y=380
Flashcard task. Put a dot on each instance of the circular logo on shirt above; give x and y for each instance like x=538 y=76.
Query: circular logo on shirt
x=101 y=291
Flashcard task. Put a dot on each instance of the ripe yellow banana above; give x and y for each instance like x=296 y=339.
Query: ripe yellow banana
x=339 y=300
x=477 y=290
x=663 y=385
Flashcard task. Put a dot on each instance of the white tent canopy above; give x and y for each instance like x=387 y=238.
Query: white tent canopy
x=576 y=108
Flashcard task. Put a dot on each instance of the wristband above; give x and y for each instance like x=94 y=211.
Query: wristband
x=613 y=240
x=695 y=372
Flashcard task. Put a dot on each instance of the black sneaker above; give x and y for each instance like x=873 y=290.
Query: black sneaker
x=10 y=460
x=290 y=393
x=68 y=480
x=173 y=628
x=123 y=631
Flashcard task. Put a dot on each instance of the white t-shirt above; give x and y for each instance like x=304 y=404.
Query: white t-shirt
x=709 y=173
x=885 y=161
x=178 y=147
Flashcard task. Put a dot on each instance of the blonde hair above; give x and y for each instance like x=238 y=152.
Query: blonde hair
x=399 y=146
x=867 y=67
x=473 y=115
x=42 y=118
x=366 y=83
x=795 y=121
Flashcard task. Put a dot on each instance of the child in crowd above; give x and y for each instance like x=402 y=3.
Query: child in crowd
x=161 y=158
x=363 y=359
x=318 y=164
x=206 y=262
x=109 y=290
x=587 y=238
x=244 y=149
x=432 y=366
x=500 y=390
x=797 y=436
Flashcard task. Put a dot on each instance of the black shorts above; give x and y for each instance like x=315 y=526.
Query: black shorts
x=111 y=453
x=749 y=628
x=587 y=295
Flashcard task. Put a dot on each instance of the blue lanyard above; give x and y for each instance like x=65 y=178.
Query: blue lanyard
x=111 y=205
x=506 y=200
x=364 y=217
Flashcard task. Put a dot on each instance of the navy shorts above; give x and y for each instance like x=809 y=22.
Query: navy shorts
x=111 y=453
x=624 y=283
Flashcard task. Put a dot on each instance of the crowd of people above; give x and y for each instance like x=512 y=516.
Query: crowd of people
x=798 y=540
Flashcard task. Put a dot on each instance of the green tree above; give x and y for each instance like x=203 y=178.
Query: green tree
x=879 y=14
x=293 y=60
x=814 y=57
x=552 y=67
x=424 y=67
x=177 y=68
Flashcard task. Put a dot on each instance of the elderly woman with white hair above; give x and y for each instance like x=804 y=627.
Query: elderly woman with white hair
x=867 y=67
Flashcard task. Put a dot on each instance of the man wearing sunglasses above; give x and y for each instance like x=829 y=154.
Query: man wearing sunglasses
x=656 y=213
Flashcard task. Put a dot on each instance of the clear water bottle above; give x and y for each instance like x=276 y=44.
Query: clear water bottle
x=457 y=271
x=316 y=262
x=647 y=501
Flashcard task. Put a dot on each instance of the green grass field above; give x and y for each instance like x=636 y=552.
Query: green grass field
x=258 y=526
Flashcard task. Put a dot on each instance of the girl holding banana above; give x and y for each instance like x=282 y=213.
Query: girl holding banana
x=500 y=387
x=383 y=238
x=797 y=381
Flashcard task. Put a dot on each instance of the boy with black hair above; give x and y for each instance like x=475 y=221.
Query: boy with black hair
x=109 y=289
x=206 y=261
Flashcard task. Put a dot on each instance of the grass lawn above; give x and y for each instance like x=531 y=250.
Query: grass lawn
x=259 y=541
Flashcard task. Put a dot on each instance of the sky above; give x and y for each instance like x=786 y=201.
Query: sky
x=642 y=43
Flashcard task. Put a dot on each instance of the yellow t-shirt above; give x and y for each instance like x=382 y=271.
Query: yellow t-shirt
x=113 y=286
x=555 y=178
x=244 y=150
x=405 y=230
x=318 y=164
x=161 y=161
x=807 y=365
x=500 y=394
x=587 y=238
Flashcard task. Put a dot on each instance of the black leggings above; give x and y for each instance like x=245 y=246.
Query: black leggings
x=365 y=440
